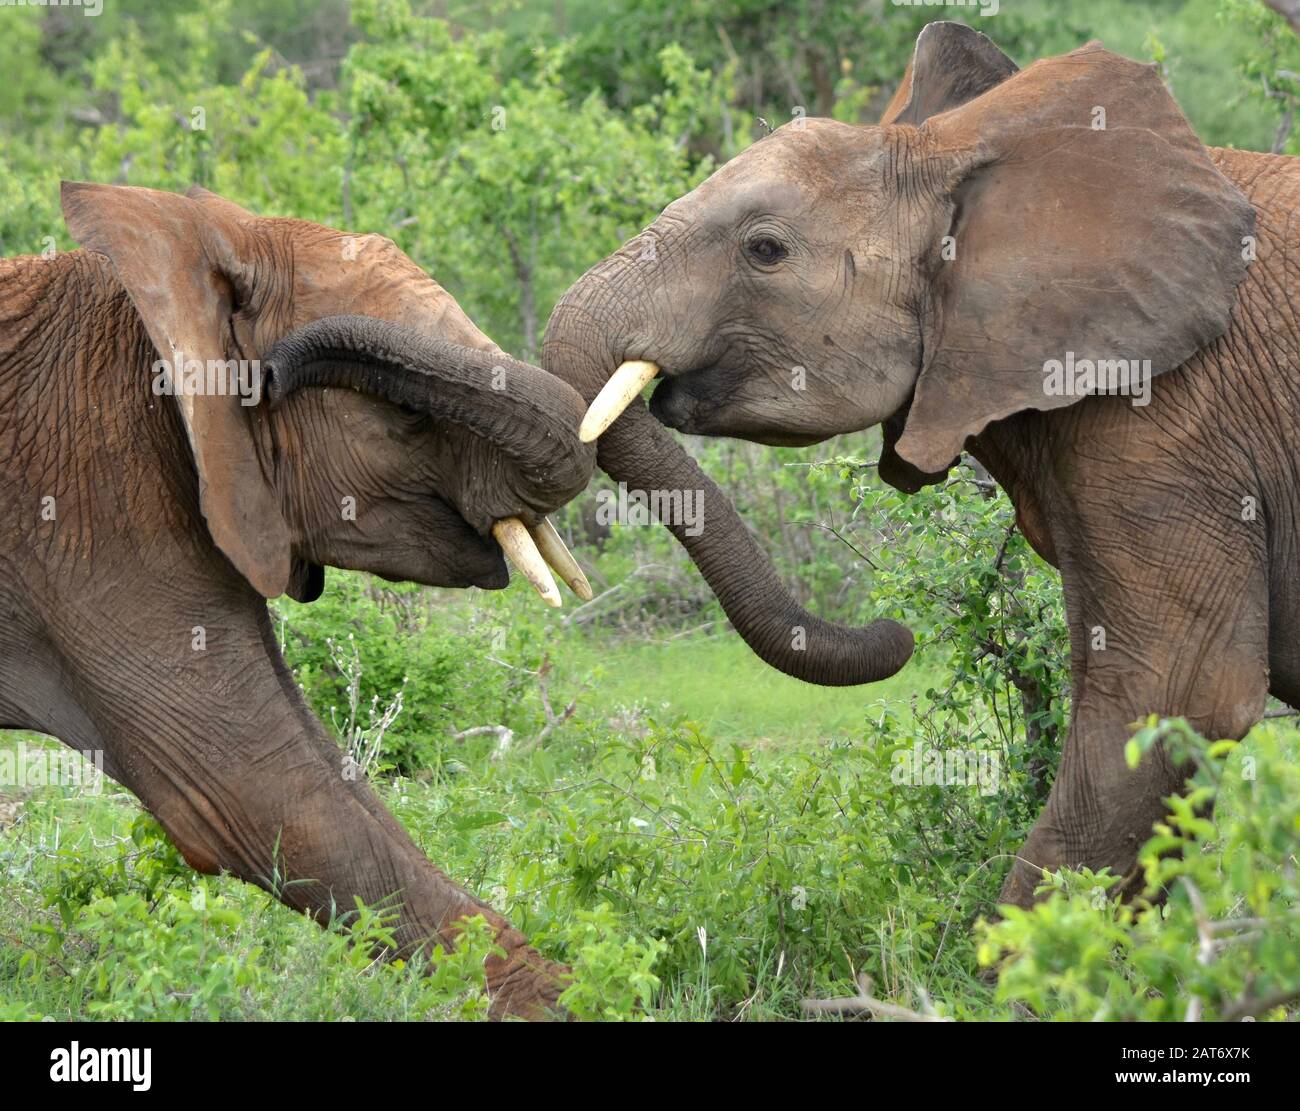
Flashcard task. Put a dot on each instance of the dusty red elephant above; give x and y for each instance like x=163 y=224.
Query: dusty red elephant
x=186 y=408
x=149 y=512
x=974 y=273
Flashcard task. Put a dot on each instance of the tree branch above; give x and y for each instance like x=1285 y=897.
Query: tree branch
x=864 y=1003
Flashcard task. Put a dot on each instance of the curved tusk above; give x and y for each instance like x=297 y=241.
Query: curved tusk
x=624 y=387
x=513 y=537
x=551 y=545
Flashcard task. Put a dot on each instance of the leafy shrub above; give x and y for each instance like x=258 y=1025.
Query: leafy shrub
x=170 y=960
x=612 y=973
x=1216 y=933
x=405 y=642
x=732 y=864
x=149 y=871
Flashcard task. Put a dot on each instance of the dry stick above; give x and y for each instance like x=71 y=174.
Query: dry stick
x=864 y=1003
x=505 y=736
x=1246 y=929
x=543 y=672
x=1252 y=1007
x=696 y=629
x=23 y=945
x=1205 y=950
x=573 y=616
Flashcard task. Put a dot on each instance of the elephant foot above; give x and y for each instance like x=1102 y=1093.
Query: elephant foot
x=1019 y=886
x=524 y=984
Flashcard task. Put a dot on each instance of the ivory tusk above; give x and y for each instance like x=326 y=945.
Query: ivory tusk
x=624 y=387
x=551 y=545
x=513 y=537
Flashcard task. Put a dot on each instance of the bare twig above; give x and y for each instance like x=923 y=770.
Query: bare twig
x=692 y=631
x=1254 y=1006
x=863 y=1003
x=1205 y=950
x=552 y=719
x=505 y=737
x=587 y=610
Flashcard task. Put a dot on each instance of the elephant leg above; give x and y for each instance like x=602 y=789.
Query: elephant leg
x=1175 y=626
x=34 y=696
x=224 y=752
x=287 y=817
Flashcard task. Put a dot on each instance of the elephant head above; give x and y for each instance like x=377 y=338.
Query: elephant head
x=920 y=273
x=435 y=451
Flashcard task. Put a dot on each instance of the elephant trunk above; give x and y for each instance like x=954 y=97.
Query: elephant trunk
x=581 y=347
x=529 y=416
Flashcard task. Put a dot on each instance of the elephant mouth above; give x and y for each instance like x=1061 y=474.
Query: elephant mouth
x=537 y=552
x=450 y=383
x=695 y=403
x=497 y=578
x=487 y=568
x=444 y=550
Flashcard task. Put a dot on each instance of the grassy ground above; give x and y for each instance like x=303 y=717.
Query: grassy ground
x=719 y=684
x=680 y=707
x=747 y=875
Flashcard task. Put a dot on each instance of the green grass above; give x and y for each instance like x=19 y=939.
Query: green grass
x=753 y=875
x=589 y=842
x=719 y=684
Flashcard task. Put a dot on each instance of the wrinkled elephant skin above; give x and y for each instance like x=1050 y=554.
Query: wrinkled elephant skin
x=1046 y=268
x=149 y=510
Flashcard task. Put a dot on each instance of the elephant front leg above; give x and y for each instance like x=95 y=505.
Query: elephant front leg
x=225 y=753
x=1099 y=811
x=1147 y=650
x=288 y=817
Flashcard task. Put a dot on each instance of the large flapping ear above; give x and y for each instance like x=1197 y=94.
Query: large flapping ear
x=219 y=206
x=1089 y=227
x=951 y=64
x=184 y=263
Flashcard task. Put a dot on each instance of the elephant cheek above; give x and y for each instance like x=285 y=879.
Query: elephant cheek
x=470 y=560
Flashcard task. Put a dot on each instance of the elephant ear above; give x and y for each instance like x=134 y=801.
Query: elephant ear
x=951 y=64
x=185 y=264
x=1088 y=223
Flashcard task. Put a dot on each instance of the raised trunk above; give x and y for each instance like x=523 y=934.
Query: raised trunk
x=531 y=417
x=581 y=347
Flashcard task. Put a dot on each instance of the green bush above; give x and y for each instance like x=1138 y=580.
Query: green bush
x=1216 y=932
x=362 y=643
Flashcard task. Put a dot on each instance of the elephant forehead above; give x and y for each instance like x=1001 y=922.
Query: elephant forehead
x=727 y=204
x=369 y=275
x=799 y=168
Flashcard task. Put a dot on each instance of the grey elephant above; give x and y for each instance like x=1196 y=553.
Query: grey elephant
x=198 y=412
x=1044 y=268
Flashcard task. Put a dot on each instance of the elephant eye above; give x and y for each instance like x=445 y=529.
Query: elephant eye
x=766 y=250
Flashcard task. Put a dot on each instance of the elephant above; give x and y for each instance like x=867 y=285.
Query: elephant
x=200 y=410
x=1044 y=268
